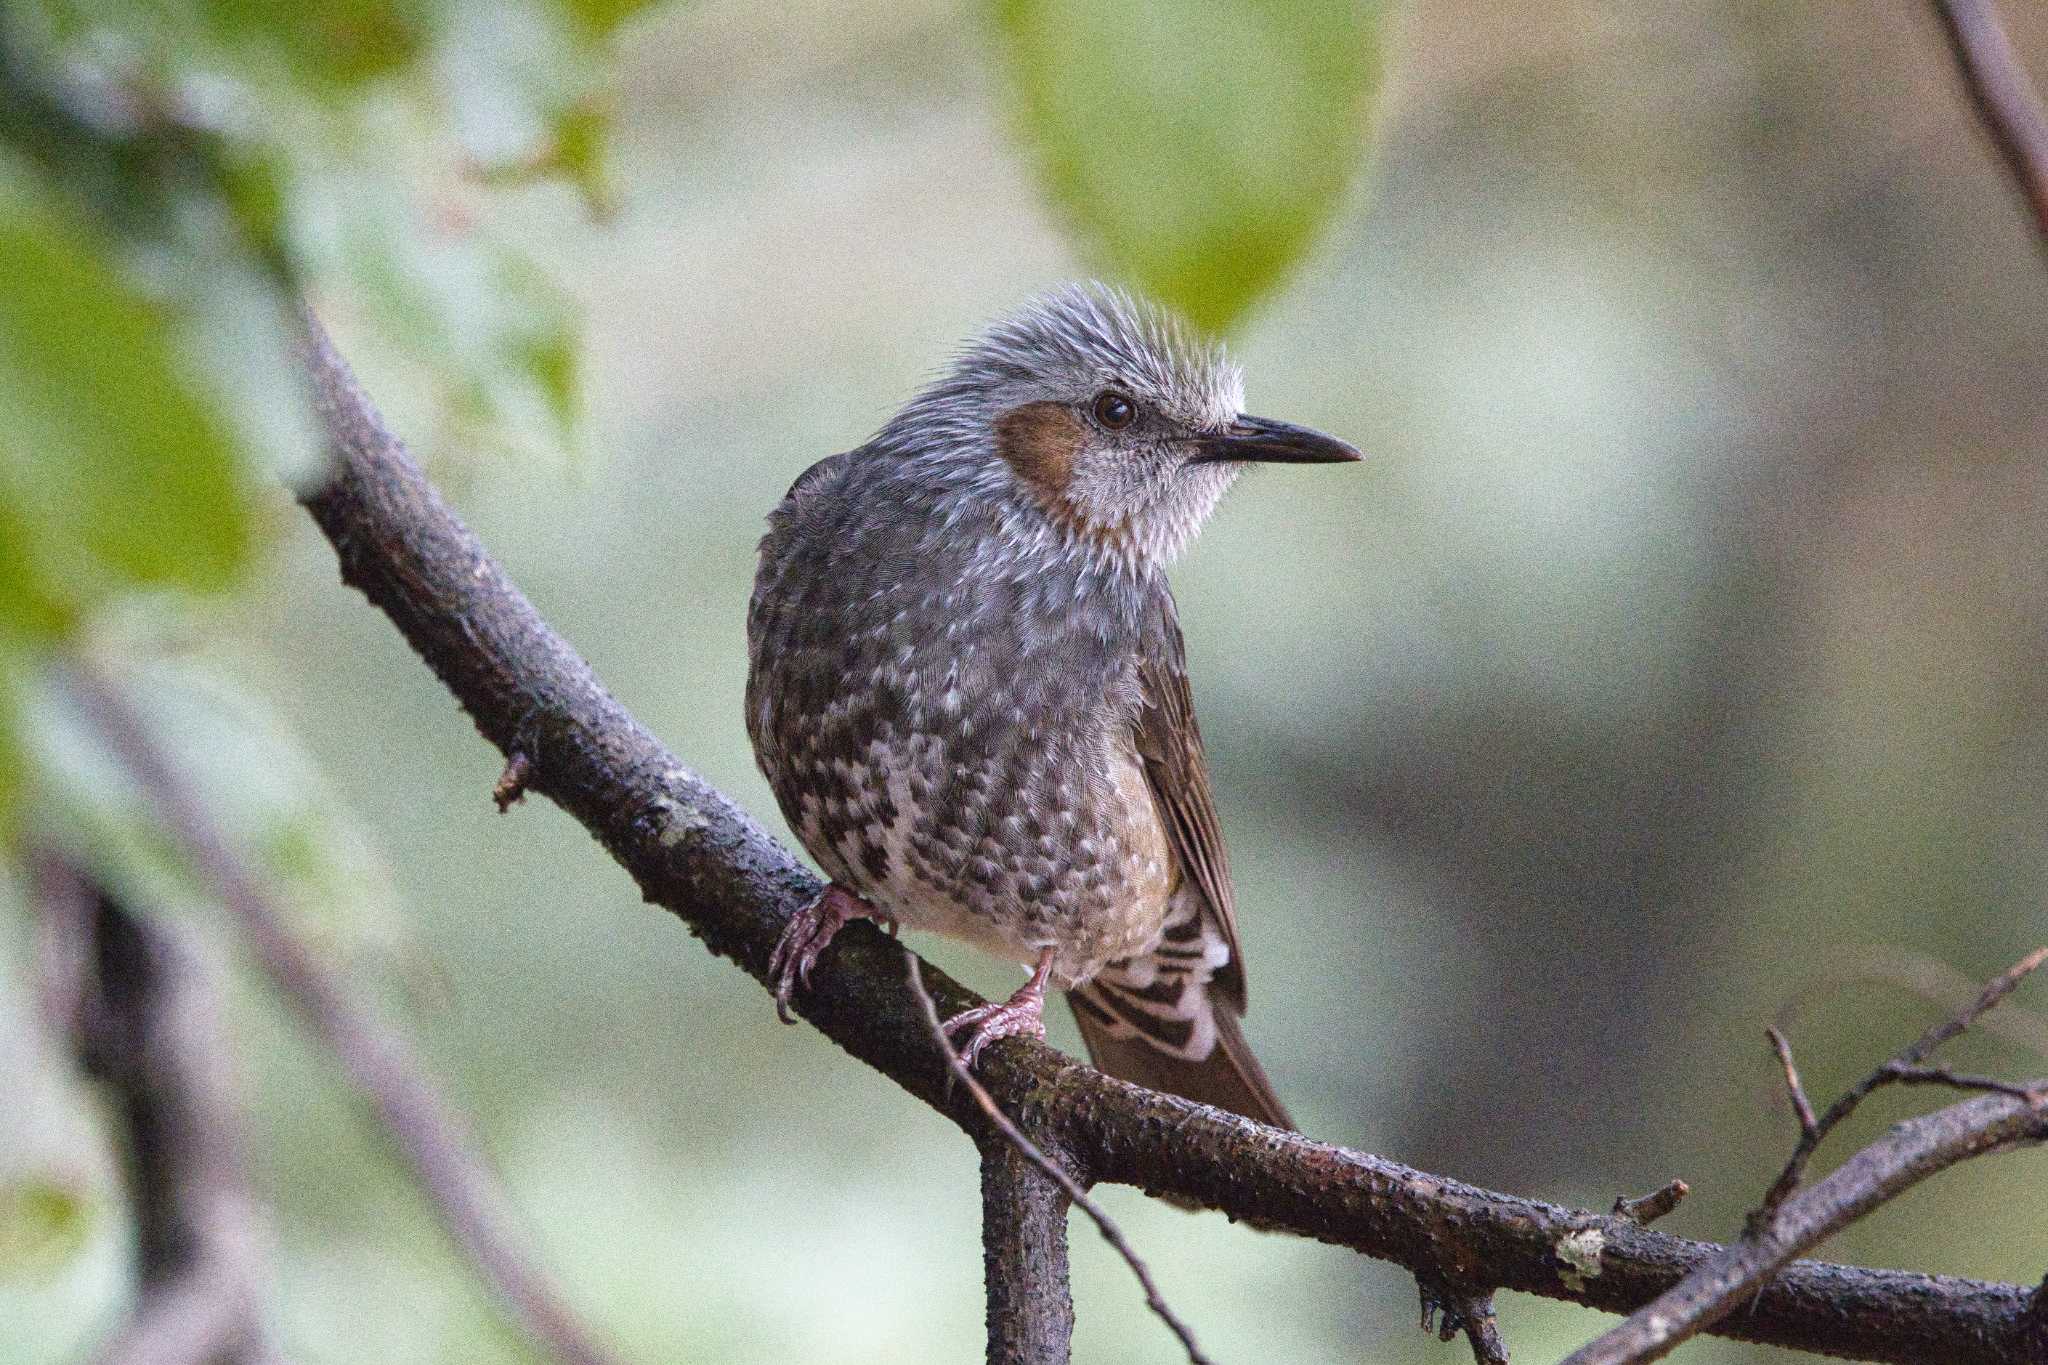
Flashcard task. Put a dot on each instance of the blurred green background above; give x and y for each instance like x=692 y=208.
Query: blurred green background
x=1678 y=659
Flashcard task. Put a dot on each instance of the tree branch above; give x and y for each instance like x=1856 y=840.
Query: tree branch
x=1024 y=1261
x=1903 y=1068
x=694 y=852
x=429 y=1135
x=1785 y=1225
x=2005 y=98
x=1011 y=1136
x=144 y=1015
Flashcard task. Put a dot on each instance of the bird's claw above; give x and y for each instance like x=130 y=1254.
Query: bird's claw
x=1013 y=1018
x=809 y=932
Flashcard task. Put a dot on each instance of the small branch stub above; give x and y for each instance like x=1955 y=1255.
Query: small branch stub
x=1652 y=1206
x=511 y=788
x=1448 y=1310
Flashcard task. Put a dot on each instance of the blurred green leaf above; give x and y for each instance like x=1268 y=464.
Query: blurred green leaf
x=42 y=1225
x=1197 y=145
x=322 y=48
x=334 y=42
x=573 y=150
x=116 y=469
x=478 y=323
x=551 y=360
x=599 y=17
x=13 y=762
x=30 y=608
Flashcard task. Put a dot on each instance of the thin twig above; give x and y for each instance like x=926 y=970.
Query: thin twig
x=1958 y=1080
x=377 y=1058
x=1789 y=1223
x=1921 y=974
x=2005 y=98
x=1014 y=1135
x=1652 y=1206
x=1906 y=1064
x=1801 y=1106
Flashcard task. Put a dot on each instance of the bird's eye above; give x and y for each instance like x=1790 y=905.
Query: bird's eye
x=1114 y=410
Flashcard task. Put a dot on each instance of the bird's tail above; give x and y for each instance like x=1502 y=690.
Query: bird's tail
x=1192 y=1047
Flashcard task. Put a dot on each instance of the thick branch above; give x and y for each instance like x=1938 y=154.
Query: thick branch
x=692 y=851
x=1024 y=1260
x=145 y=1017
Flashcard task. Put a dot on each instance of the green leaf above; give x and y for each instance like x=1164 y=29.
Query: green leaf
x=116 y=469
x=469 y=330
x=335 y=43
x=1196 y=146
x=597 y=18
x=31 y=608
x=43 y=1224
x=13 y=762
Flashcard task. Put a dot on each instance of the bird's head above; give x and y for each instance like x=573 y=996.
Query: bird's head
x=1104 y=418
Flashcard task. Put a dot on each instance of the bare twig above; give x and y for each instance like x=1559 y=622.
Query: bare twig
x=1802 y=1108
x=1024 y=1260
x=1904 y=1068
x=692 y=850
x=2005 y=98
x=1052 y=1170
x=145 y=1018
x=1652 y=1206
x=377 y=1058
x=1789 y=1223
x=1922 y=974
x=1955 y=1080
x=1906 y=1155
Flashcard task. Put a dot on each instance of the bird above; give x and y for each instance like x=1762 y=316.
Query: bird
x=967 y=685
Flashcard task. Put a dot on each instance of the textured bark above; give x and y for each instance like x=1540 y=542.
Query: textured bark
x=1024 y=1261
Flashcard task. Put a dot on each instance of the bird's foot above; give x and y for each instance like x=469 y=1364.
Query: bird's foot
x=1021 y=1016
x=807 y=934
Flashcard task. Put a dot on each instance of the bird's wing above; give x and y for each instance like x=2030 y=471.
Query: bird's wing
x=1168 y=1019
x=1170 y=744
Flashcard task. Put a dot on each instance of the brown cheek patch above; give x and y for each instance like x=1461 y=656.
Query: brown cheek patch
x=1041 y=441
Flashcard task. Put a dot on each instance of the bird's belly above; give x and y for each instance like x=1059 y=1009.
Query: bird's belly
x=1041 y=854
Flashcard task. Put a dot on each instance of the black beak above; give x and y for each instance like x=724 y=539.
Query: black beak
x=1261 y=438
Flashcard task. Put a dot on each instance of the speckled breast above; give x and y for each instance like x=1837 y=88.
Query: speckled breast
x=947 y=728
